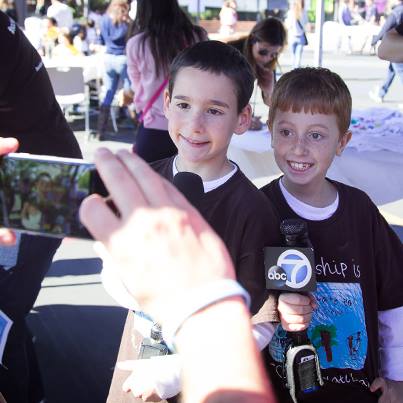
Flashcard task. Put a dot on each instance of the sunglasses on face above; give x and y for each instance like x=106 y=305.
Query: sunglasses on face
x=266 y=52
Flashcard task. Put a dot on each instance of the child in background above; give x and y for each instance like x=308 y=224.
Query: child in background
x=357 y=327
x=65 y=48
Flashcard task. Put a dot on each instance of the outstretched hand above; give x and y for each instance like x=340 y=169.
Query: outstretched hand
x=159 y=243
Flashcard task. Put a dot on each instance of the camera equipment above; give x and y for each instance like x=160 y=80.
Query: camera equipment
x=190 y=185
x=154 y=345
x=291 y=269
x=42 y=194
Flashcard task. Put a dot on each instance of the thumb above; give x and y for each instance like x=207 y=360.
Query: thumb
x=378 y=383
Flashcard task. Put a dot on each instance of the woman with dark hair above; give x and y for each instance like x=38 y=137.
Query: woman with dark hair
x=160 y=31
x=114 y=27
x=262 y=47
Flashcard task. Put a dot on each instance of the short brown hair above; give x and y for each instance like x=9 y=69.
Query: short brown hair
x=315 y=90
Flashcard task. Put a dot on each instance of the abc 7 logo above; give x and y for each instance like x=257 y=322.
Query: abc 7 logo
x=293 y=270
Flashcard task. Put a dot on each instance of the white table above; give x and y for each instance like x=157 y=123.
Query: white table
x=93 y=65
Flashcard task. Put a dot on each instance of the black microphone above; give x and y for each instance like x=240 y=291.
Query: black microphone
x=190 y=185
x=291 y=269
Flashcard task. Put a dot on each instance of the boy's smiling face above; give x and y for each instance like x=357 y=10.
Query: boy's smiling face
x=304 y=146
x=202 y=116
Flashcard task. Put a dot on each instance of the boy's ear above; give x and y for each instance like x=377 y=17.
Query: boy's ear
x=244 y=120
x=167 y=101
x=343 y=142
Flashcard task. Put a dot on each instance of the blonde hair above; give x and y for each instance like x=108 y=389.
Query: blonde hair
x=314 y=90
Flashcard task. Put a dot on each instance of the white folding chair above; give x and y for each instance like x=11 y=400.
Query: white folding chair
x=70 y=89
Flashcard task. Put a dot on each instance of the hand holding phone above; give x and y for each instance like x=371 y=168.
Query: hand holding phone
x=42 y=194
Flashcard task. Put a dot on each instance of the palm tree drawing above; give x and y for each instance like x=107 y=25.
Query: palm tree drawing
x=324 y=336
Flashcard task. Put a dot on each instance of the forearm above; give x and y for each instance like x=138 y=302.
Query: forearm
x=391 y=47
x=222 y=364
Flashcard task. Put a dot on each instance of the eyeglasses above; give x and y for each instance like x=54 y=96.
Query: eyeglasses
x=266 y=52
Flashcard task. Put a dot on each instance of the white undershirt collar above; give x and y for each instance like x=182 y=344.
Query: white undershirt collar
x=305 y=210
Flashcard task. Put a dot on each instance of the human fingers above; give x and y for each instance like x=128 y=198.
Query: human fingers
x=295 y=303
x=314 y=303
x=293 y=327
x=98 y=218
x=295 y=322
x=7 y=237
x=122 y=186
x=148 y=180
x=141 y=381
x=379 y=384
x=8 y=145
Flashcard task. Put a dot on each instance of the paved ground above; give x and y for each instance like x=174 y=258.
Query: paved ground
x=77 y=326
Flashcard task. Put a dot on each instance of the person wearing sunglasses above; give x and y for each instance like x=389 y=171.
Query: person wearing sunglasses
x=262 y=48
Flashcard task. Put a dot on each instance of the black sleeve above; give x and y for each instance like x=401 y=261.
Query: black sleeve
x=261 y=229
x=7 y=26
x=28 y=107
x=389 y=261
x=399 y=29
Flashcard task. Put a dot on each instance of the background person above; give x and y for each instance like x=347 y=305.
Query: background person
x=65 y=48
x=296 y=22
x=228 y=18
x=29 y=111
x=62 y=13
x=391 y=47
x=394 y=19
x=262 y=48
x=113 y=32
x=160 y=31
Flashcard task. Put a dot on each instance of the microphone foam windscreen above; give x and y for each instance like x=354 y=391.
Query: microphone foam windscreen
x=293 y=226
x=190 y=185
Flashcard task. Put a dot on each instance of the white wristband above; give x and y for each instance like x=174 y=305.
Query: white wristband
x=200 y=298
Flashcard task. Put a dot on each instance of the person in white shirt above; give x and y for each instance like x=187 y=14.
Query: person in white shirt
x=62 y=13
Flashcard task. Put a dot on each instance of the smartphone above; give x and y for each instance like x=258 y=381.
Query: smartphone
x=42 y=194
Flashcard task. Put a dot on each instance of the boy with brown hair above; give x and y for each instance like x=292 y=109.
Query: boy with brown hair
x=357 y=326
x=206 y=102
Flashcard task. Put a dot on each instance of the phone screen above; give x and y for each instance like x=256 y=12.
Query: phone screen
x=43 y=194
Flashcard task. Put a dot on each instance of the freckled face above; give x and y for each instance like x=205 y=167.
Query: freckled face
x=304 y=146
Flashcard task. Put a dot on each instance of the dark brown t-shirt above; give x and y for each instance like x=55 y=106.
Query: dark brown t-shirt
x=358 y=268
x=245 y=221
